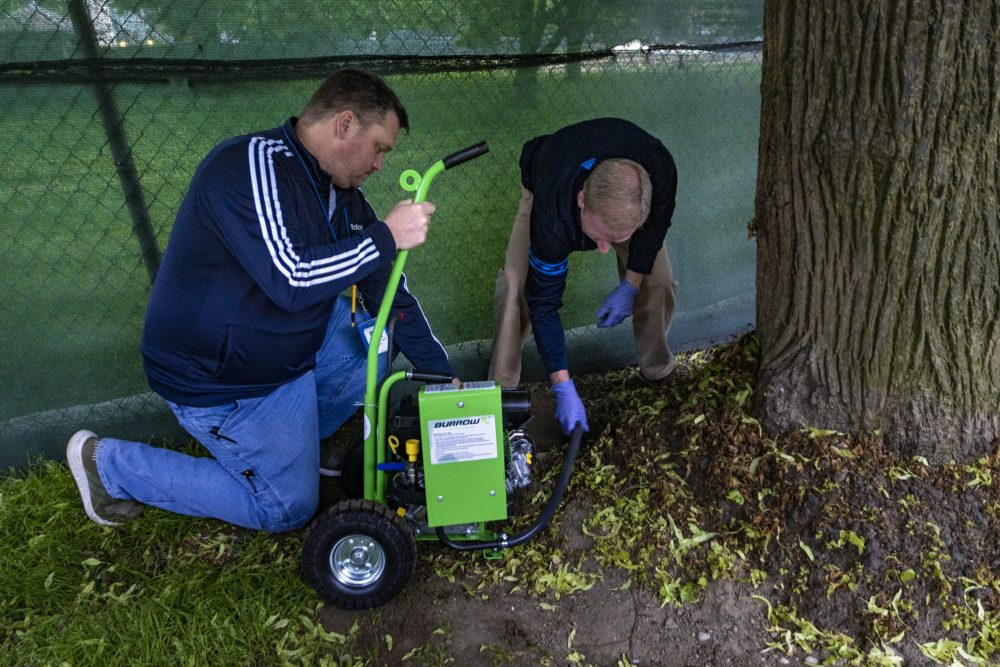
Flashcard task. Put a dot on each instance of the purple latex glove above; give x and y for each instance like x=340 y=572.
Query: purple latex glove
x=569 y=407
x=617 y=306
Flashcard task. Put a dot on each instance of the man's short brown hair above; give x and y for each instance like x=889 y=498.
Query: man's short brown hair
x=359 y=90
x=620 y=192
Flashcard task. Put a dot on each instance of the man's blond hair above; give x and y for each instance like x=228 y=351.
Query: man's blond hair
x=620 y=192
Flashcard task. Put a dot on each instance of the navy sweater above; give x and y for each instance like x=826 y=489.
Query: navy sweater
x=554 y=168
x=262 y=246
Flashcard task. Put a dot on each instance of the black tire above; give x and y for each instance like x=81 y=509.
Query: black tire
x=358 y=554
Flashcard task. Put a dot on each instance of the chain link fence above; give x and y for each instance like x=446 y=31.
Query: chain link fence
x=109 y=105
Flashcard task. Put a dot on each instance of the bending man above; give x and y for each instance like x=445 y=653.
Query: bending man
x=600 y=184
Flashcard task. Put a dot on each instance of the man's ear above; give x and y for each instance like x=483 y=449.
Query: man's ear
x=579 y=199
x=342 y=123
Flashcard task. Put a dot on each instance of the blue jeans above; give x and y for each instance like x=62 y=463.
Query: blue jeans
x=263 y=471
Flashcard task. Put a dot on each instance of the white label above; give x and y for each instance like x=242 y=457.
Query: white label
x=367 y=328
x=463 y=439
x=440 y=388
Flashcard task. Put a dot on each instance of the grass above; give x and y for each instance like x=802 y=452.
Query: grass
x=75 y=287
x=167 y=590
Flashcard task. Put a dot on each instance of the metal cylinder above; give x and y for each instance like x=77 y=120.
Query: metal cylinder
x=516 y=406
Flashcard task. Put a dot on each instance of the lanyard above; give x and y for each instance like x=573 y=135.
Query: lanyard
x=329 y=210
x=331 y=206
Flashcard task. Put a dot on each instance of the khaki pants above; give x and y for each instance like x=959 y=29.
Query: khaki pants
x=651 y=313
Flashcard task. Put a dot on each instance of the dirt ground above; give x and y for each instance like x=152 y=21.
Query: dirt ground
x=688 y=537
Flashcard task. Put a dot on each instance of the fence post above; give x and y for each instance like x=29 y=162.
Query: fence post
x=121 y=152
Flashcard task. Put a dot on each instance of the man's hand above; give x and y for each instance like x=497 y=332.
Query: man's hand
x=569 y=407
x=617 y=306
x=408 y=223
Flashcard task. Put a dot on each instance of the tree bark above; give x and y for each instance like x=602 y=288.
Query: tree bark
x=878 y=245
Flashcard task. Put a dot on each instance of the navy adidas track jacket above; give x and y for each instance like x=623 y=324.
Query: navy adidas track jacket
x=262 y=246
x=554 y=168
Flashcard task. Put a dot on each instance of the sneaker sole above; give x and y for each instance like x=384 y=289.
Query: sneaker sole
x=74 y=457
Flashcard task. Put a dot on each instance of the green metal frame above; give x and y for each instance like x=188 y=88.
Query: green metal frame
x=377 y=397
x=375 y=413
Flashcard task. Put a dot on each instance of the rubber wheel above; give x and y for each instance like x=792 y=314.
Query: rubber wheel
x=358 y=554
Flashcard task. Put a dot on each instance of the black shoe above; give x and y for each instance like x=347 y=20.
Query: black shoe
x=331 y=460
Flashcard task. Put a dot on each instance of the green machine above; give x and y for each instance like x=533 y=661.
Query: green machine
x=436 y=467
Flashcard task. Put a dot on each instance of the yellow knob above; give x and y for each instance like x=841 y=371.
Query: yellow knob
x=412 y=449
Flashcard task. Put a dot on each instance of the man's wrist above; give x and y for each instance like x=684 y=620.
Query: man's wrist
x=634 y=279
x=558 y=376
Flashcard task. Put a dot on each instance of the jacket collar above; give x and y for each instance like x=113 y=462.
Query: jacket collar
x=288 y=130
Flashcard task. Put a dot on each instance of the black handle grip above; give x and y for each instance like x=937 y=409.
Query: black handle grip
x=466 y=154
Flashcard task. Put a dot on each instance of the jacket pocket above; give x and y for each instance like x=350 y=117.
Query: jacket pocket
x=256 y=355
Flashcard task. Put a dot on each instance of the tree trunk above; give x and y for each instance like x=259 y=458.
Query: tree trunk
x=878 y=247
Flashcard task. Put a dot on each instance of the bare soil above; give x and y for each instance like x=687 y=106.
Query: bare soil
x=712 y=525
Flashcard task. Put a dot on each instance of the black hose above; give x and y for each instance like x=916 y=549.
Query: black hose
x=543 y=519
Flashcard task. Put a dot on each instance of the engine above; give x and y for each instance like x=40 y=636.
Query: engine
x=463 y=437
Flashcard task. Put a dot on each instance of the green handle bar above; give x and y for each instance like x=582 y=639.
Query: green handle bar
x=374 y=426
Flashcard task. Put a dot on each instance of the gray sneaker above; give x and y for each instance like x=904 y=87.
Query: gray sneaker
x=97 y=502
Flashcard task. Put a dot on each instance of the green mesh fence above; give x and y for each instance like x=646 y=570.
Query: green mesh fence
x=110 y=105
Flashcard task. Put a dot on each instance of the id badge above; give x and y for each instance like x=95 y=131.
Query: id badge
x=366 y=328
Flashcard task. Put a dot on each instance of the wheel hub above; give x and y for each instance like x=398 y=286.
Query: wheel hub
x=357 y=560
x=359 y=556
